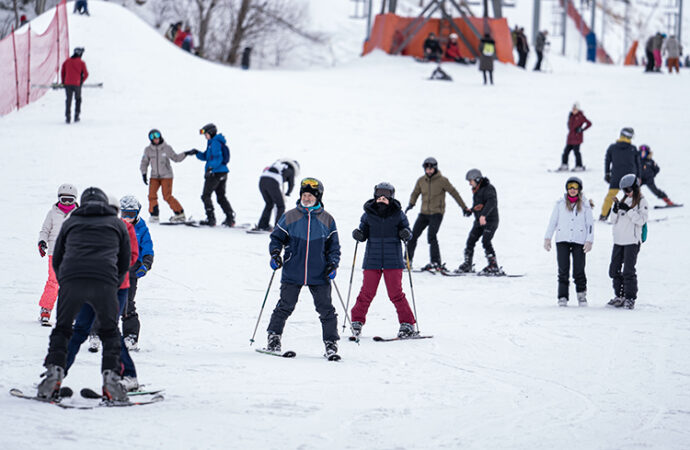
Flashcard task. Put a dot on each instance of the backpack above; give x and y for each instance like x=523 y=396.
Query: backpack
x=226 y=153
x=489 y=49
x=644 y=232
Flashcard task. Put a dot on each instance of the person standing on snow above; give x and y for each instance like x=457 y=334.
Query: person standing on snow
x=67 y=202
x=672 y=49
x=433 y=187
x=657 y=44
x=577 y=124
x=487 y=54
x=649 y=54
x=158 y=155
x=539 y=46
x=73 y=75
x=621 y=158
x=312 y=253
x=383 y=225
x=573 y=224
x=271 y=187
x=649 y=171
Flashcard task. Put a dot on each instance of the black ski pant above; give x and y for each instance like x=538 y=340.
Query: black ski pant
x=289 y=293
x=486 y=233
x=522 y=58
x=102 y=297
x=564 y=250
x=540 y=57
x=566 y=153
x=270 y=191
x=433 y=221
x=72 y=91
x=625 y=281
x=655 y=190
x=215 y=182
x=650 y=61
x=130 y=318
x=491 y=75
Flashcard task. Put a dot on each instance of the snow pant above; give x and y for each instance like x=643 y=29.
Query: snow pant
x=625 y=281
x=130 y=318
x=608 y=202
x=491 y=75
x=433 y=221
x=72 y=91
x=289 y=293
x=82 y=328
x=393 y=280
x=270 y=191
x=671 y=63
x=563 y=252
x=50 y=290
x=81 y=7
x=103 y=299
x=650 y=61
x=215 y=182
x=657 y=59
x=166 y=185
x=486 y=233
x=522 y=59
x=655 y=190
x=540 y=57
x=566 y=154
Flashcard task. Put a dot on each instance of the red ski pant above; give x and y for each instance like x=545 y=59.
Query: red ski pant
x=50 y=291
x=393 y=280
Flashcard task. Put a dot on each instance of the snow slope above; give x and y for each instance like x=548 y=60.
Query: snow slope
x=506 y=368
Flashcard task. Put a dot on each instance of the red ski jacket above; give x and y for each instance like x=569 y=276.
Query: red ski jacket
x=577 y=123
x=74 y=72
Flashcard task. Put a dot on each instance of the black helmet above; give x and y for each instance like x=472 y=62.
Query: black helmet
x=78 y=51
x=628 y=181
x=313 y=186
x=210 y=129
x=430 y=162
x=153 y=134
x=574 y=180
x=384 y=189
x=474 y=174
x=93 y=194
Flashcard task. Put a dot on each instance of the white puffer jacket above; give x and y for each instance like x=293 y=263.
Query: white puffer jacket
x=571 y=226
x=627 y=225
x=51 y=226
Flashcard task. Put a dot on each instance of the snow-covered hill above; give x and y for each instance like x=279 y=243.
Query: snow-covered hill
x=507 y=368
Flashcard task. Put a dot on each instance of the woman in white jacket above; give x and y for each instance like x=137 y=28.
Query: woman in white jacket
x=631 y=215
x=573 y=223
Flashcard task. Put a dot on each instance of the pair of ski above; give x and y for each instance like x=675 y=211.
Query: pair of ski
x=454 y=273
x=397 y=338
x=195 y=224
x=291 y=354
x=60 y=85
x=66 y=392
x=675 y=205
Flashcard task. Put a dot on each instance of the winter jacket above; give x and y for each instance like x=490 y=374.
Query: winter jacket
x=541 y=42
x=180 y=37
x=214 y=155
x=571 y=226
x=487 y=54
x=577 y=124
x=522 y=45
x=51 y=226
x=649 y=170
x=658 y=41
x=134 y=249
x=452 y=50
x=93 y=244
x=627 y=225
x=485 y=202
x=145 y=245
x=672 y=48
x=381 y=227
x=621 y=159
x=432 y=47
x=159 y=157
x=74 y=71
x=310 y=239
x=649 y=46
x=282 y=173
x=433 y=190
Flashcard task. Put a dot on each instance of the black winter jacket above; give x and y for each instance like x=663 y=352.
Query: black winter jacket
x=381 y=228
x=622 y=158
x=649 y=170
x=93 y=243
x=484 y=202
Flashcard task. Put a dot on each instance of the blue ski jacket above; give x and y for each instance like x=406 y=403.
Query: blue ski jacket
x=214 y=155
x=144 y=239
x=381 y=228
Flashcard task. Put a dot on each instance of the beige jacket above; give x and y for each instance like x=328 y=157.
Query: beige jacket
x=51 y=226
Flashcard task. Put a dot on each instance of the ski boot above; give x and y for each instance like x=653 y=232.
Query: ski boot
x=76 y=118
x=492 y=268
x=130 y=383
x=228 y=222
x=616 y=302
x=154 y=219
x=562 y=301
x=132 y=343
x=562 y=168
x=49 y=388
x=629 y=303
x=94 y=343
x=582 y=299
x=432 y=267
x=273 y=344
x=668 y=201
x=113 y=389
x=406 y=330
x=579 y=169
x=210 y=220
x=178 y=217
x=466 y=266
x=44 y=317
x=331 y=349
x=357 y=328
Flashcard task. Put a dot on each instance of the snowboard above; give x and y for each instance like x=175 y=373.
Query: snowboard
x=568 y=171
x=90 y=393
x=189 y=222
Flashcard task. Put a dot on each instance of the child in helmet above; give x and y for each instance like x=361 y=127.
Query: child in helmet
x=650 y=169
x=271 y=186
x=67 y=202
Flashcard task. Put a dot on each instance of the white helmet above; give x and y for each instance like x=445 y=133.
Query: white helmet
x=113 y=201
x=453 y=36
x=292 y=163
x=67 y=189
x=130 y=203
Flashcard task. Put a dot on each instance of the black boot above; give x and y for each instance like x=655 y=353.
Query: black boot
x=210 y=219
x=492 y=268
x=467 y=265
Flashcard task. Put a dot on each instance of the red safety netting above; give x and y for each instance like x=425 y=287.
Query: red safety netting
x=28 y=59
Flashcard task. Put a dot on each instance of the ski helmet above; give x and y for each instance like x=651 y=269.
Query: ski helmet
x=384 y=189
x=153 y=134
x=210 y=129
x=574 y=180
x=474 y=174
x=576 y=105
x=313 y=186
x=130 y=203
x=67 y=190
x=430 y=162
x=627 y=132
x=78 y=51
x=645 y=151
x=113 y=201
x=628 y=181
x=93 y=194
x=292 y=163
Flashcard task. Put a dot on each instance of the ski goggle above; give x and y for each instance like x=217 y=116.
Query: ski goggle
x=383 y=193
x=627 y=190
x=573 y=186
x=129 y=214
x=154 y=135
x=204 y=131
x=429 y=166
x=310 y=182
x=67 y=199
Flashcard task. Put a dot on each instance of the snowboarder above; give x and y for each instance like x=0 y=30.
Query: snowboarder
x=649 y=171
x=383 y=225
x=453 y=51
x=271 y=187
x=432 y=48
x=621 y=158
x=433 y=187
x=74 y=74
x=487 y=54
x=217 y=156
x=158 y=154
x=91 y=259
x=81 y=7
x=577 y=124
x=628 y=233
x=672 y=49
x=485 y=208
x=573 y=224
x=312 y=253
x=67 y=202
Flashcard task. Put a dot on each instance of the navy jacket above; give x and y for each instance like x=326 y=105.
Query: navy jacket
x=622 y=158
x=214 y=155
x=310 y=239
x=381 y=228
x=485 y=202
x=649 y=170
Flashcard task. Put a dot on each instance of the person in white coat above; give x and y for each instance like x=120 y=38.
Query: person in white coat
x=573 y=223
x=628 y=229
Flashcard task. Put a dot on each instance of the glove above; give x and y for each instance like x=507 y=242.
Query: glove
x=409 y=207
x=587 y=247
x=607 y=177
x=141 y=271
x=331 y=270
x=357 y=235
x=623 y=206
x=276 y=261
x=143 y=176
x=467 y=212
x=191 y=152
x=578 y=130
x=547 y=245
x=615 y=207
x=42 y=247
x=404 y=234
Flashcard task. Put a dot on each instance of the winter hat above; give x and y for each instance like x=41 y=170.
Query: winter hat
x=627 y=132
x=384 y=189
x=93 y=194
x=312 y=186
x=576 y=105
x=210 y=129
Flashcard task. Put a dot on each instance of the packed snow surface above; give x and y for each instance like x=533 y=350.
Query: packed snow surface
x=506 y=368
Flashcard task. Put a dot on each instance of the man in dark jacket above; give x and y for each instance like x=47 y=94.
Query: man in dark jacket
x=312 y=253
x=621 y=159
x=649 y=54
x=271 y=187
x=74 y=74
x=522 y=48
x=90 y=259
x=539 y=48
x=485 y=208
x=432 y=48
x=577 y=124
x=384 y=225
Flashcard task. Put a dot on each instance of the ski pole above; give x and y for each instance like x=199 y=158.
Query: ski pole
x=409 y=272
x=251 y=341
x=349 y=289
x=347 y=318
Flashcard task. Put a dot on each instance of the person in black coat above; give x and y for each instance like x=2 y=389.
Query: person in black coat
x=649 y=171
x=271 y=187
x=90 y=259
x=432 y=48
x=246 y=58
x=621 y=159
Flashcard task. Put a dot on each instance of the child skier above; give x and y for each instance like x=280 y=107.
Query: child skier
x=573 y=223
x=650 y=169
x=67 y=202
x=384 y=225
x=271 y=187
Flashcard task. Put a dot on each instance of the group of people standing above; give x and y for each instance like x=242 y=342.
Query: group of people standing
x=659 y=45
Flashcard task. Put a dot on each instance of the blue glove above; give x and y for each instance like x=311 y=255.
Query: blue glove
x=276 y=261
x=141 y=271
x=331 y=271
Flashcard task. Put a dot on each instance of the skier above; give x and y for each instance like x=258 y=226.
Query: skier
x=91 y=258
x=67 y=202
x=485 y=207
x=81 y=7
x=573 y=224
x=74 y=74
x=577 y=124
x=130 y=209
x=312 y=253
x=158 y=154
x=628 y=233
x=649 y=171
x=217 y=156
x=384 y=225
x=487 y=54
x=271 y=187
x=433 y=187
x=621 y=158
x=539 y=48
